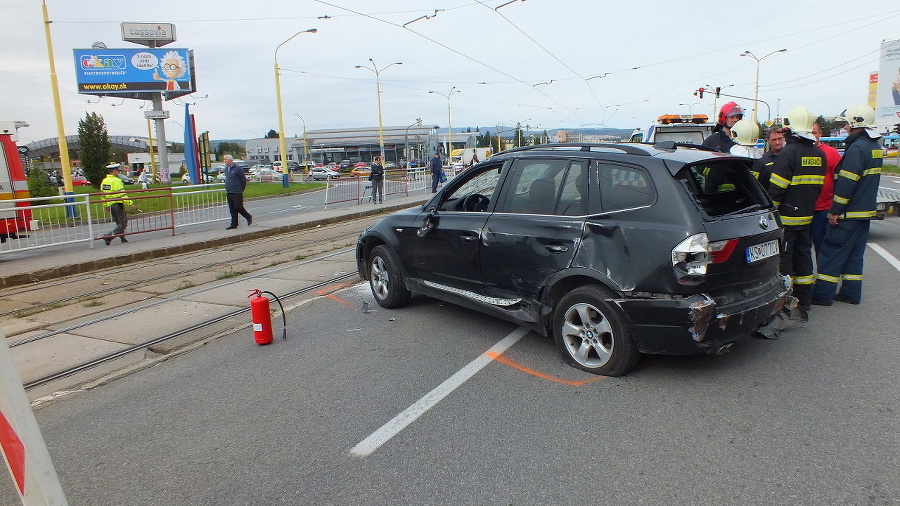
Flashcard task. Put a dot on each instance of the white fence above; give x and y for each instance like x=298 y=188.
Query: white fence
x=41 y=222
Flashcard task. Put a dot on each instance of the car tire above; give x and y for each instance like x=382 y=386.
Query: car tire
x=590 y=334
x=385 y=279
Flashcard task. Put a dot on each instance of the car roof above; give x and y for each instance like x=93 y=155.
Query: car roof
x=680 y=153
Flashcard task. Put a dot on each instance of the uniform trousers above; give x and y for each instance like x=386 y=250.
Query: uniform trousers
x=841 y=260
x=796 y=262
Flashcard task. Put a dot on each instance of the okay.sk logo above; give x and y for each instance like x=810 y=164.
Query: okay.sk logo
x=103 y=62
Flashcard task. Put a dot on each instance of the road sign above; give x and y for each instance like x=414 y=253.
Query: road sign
x=149 y=34
x=156 y=114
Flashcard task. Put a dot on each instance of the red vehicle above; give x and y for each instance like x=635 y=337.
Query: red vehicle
x=80 y=181
x=13 y=185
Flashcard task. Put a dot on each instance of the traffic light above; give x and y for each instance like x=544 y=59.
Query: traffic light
x=699 y=92
x=718 y=90
x=897 y=128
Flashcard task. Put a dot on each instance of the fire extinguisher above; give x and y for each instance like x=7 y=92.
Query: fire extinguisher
x=262 y=319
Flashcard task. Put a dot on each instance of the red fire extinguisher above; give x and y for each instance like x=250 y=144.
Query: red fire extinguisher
x=262 y=318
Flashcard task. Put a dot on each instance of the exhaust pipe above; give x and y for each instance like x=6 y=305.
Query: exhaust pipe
x=725 y=348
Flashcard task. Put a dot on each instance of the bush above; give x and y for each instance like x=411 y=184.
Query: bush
x=39 y=184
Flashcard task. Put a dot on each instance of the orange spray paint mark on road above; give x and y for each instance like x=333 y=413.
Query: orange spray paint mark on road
x=327 y=292
x=513 y=364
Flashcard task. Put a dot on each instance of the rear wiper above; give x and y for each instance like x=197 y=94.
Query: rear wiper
x=751 y=207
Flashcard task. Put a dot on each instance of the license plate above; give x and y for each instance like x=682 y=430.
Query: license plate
x=759 y=251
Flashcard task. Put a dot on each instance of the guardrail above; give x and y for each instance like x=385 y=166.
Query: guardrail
x=396 y=182
x=42 y=222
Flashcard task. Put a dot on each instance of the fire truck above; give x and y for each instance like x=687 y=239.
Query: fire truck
x=14 y=219
x=686 y=128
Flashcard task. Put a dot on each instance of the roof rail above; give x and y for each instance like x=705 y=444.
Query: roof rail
x=630 y=149
x=672 y=145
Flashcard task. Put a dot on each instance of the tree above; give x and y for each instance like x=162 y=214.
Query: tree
x=272 y=134
x=485 y=140
x=95 y=147
x=229 y=148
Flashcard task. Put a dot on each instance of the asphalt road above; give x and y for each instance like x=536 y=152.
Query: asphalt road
x=809 y=419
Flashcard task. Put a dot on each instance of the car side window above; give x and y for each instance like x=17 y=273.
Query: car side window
x=624 y=187
x=534 y=187
x=475 y=193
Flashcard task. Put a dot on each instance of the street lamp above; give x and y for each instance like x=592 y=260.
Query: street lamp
x=375 y=70
x=756 y=88
x=406 y=139
x=305 y=148
x=691 y=107
x=285 y=168
x=449 y=123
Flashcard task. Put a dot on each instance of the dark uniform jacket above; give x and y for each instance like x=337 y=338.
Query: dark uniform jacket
x=796 y=181
x=762 y=167
x=857 y=178
x=720 y=140
x=377 y=173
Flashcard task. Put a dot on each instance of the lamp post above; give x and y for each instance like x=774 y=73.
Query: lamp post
x=406 y=139
x=449 y=123
x=756 y=87
x=305 y=148
x=285 y=168
x=375 y=70
x=690 y=107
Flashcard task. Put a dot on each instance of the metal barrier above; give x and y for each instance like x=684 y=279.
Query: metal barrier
x=53 y=221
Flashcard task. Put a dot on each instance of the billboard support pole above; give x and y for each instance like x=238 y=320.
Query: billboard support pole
x=161 y=140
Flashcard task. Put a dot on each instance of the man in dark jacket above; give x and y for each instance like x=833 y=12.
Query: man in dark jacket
x=377 y=178
x=436 y=169
x=856 y=182
x=722 y=138
x=235 y=182
x=762 y=166
x=794 y=186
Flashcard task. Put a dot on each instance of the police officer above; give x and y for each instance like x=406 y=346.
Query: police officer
x=855 y=194
x=114 y=200
x=722 y=139
x=794 y=186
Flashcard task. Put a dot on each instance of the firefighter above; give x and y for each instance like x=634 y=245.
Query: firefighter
x=856 y=183
x=114 y=200
x=722 y=139
x=794 y=186
x=746 y=134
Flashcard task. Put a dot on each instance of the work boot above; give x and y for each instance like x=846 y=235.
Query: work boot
x=107 y=241
x=844 y=298
x=123 y=239
x=249 y=220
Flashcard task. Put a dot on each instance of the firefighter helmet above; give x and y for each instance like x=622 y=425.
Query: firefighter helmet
x=860 y=116
x=800 y=120
x=728 y=110
x=745 y=132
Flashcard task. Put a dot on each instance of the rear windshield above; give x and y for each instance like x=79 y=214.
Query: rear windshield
x=724 y=187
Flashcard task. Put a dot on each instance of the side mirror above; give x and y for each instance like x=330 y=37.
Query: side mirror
x=428 y=223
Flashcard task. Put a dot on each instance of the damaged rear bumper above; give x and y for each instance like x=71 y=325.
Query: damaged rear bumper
x=696 y=324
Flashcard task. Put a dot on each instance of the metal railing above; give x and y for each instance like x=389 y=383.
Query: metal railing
x=41 y=222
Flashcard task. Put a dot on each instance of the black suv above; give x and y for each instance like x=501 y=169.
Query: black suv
x=612 y=249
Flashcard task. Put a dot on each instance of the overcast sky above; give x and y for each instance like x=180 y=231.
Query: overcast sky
x=652 y=55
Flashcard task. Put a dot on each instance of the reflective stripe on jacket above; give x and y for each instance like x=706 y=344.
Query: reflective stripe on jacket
x=857 y=178
x=796 y=181
x=112 y=188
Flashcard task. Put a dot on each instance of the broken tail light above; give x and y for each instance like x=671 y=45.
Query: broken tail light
x=693 y=254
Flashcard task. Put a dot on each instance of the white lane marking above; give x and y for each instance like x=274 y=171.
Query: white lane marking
x=429 y=400
x=891 y=259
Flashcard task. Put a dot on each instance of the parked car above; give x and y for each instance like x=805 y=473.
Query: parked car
x=80 y=181
x=268 y=176
x=361 y=169
x=321 y=173
x=125 y=179
x=345 y=164
x=612 y=249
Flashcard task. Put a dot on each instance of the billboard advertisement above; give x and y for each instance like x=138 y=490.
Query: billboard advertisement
x=887 y=112
x=134 y=71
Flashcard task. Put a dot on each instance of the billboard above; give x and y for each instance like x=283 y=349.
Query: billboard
x=887 y=112
x=133 y=72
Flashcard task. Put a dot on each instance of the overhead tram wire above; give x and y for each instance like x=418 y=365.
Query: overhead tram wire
x=448 y=48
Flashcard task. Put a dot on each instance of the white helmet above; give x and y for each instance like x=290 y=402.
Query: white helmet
x=745 y=132
x=800 y=120
x=859 y=116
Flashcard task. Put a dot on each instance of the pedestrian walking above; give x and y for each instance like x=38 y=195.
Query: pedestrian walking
x=852 y=209
x=436 y=170
x=113 y=196
x=823 y=204
x=235 y=182
x=762 y=167
x=377 y=178
x=794 y=186
x=722 y=139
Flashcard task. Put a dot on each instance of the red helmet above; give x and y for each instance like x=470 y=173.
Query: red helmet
x=728 y=110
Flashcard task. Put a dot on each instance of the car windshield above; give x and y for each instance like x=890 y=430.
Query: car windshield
x=723 y=187
x=483 y=182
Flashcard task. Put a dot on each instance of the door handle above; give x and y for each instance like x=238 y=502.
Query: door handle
x=468 y=239
x=556 y=248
